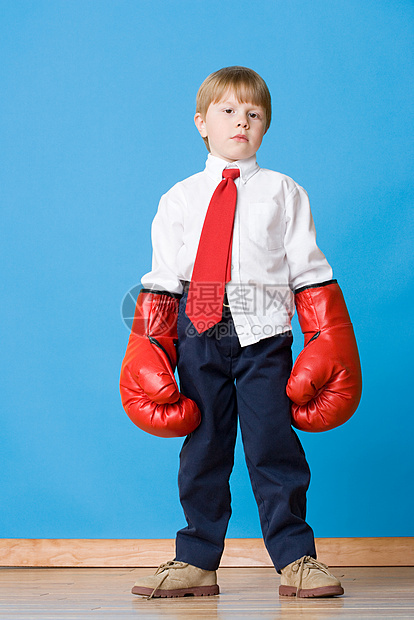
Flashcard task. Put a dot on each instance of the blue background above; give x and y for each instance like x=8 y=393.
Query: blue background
x=97 y=104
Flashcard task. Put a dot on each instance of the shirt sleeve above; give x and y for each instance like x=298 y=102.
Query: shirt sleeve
x=167 y=239
x=307 y=264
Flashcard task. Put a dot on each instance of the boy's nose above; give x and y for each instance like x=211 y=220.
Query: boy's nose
x=242 y=122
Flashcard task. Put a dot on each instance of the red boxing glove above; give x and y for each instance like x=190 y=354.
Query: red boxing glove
x=325 y=384
x=149 y=392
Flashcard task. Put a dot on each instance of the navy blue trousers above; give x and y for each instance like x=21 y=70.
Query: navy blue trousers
x=229 y=382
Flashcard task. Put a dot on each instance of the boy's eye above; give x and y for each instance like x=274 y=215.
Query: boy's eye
x=254 y=115
x=228 y=110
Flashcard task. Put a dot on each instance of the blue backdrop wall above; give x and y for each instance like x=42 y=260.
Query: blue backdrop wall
x=97 y=102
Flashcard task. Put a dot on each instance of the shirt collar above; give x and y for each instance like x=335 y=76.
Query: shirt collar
x=215 y=166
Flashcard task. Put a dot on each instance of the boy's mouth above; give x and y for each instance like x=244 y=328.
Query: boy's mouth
x=240 y=138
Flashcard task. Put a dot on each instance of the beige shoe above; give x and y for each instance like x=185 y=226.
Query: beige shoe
x=177 y=579
x=307 y=577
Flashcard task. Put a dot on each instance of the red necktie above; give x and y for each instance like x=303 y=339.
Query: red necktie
x=212 y=266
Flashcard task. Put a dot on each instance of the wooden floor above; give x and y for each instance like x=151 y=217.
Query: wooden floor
x=82 y=593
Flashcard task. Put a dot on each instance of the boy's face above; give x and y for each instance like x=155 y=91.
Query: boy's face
x=234 y=130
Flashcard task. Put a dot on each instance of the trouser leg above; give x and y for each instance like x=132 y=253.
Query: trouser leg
x=275 y=458
x=207 y=455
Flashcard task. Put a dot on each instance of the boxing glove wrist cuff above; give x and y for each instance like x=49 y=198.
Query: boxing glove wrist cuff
x=155 y=318
x=321 y=307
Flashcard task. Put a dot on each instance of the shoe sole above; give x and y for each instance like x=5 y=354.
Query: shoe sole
x=312 y=593
x=198 y=591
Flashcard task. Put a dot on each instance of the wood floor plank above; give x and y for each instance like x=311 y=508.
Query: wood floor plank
x=66 y=594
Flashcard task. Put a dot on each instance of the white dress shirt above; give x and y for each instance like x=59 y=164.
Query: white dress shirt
x=274 y=244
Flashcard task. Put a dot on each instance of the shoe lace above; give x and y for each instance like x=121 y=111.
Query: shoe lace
x=163 y=572
x=310 y=563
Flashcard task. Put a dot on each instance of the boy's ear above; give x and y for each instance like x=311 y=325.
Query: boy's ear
x=200 y=124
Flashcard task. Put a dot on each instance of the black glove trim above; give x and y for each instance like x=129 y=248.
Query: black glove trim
x=303 y=288
x=159 y=345
x=167 y=293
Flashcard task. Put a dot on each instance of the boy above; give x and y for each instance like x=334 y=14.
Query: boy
x=233 y=246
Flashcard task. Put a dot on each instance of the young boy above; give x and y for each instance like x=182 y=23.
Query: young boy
x=234 y=248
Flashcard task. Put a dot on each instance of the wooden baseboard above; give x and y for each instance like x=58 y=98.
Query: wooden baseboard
x=239 y=552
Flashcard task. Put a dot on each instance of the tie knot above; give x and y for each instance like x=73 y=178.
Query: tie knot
x=231 y=173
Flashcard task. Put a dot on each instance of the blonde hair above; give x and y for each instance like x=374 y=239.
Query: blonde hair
x=247 y=85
